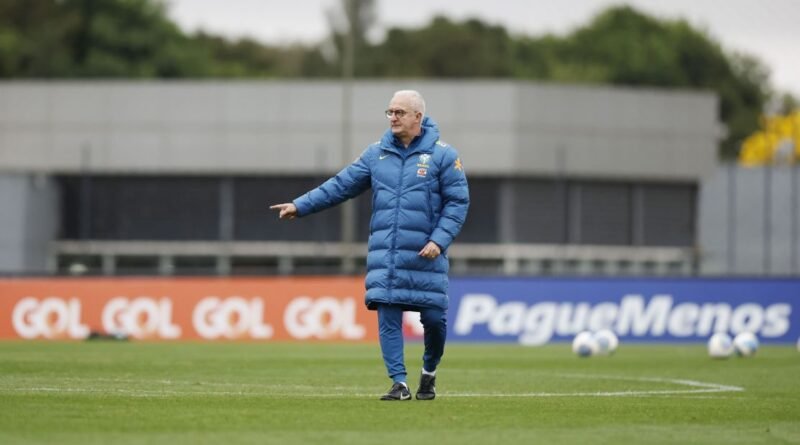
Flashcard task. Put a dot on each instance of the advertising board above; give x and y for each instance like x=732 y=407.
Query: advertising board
x=528 y=311
x=537 y=311
x=329 y=309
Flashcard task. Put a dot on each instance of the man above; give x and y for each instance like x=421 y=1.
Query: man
x=420 y=201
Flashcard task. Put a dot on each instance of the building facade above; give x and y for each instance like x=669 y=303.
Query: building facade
x=176 y=177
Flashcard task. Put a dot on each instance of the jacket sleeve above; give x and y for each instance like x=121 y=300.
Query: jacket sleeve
x=348 y=183
x=455 y=200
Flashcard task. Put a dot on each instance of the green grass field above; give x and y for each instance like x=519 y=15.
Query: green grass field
x=188 y=393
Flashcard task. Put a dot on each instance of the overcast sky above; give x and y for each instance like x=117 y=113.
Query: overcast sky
x=768 y=29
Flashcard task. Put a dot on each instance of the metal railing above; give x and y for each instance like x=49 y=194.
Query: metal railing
x=287 y=258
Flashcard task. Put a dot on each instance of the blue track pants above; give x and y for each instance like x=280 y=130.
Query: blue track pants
x=390 y=330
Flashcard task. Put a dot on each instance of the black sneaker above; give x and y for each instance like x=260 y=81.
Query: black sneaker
x=399 y=391
x=427 y=387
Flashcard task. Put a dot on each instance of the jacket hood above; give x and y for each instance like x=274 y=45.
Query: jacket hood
x=424 y=142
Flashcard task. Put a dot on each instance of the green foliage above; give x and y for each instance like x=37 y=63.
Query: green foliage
x=32 y=38
x=623 y=47
x=128 y=39
x=628 y=48
x=620 y=46
x=445 y=50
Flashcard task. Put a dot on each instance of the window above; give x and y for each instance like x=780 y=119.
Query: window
x=600 y=213
x=140 y=208
x=667 y=215
x=253 y=220
x=539 y=211
x=483 y=216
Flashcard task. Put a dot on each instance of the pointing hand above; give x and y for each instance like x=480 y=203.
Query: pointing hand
x=287 y=210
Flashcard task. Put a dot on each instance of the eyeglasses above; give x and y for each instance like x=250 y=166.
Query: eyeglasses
x=398 y=113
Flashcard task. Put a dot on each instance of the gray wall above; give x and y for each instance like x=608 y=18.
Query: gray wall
x=28 y=222
x=500 y=128
x=749 y=221
x=517 y=129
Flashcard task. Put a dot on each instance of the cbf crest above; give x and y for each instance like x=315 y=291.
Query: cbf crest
x=424 y=159
x=422 y=165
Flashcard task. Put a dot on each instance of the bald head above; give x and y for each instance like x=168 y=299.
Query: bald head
x=405 y=114
x=412 y=98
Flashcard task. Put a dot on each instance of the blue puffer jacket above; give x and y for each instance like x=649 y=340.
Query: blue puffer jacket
x=419 y=194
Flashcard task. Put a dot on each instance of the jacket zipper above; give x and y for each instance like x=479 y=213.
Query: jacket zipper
x=394 y=230
x=429 y=207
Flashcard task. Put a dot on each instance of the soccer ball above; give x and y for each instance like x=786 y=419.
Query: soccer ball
x=584 y=344
x=746 y=344
x=720 y=345
x=607 y=342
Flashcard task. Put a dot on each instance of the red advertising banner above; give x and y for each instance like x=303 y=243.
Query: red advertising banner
x=286 y=308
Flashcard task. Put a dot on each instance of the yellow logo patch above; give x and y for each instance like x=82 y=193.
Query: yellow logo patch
x=458 y=165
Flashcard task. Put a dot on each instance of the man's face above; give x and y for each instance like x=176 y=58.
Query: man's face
x=403 y=120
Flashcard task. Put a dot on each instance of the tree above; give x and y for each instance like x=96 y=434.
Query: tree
x=130 y=38
x=32 y=40
x=777 y=142
x=624 y=47
x=446 y=49
x=620 y=46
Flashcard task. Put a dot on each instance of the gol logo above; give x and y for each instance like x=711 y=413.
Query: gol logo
x=141 y=317
x=322 y=318
x=232 y=317
x=49 y=318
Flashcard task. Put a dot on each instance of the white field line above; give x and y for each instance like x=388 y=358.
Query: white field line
x=176 y=384
x=702 y=386
x=694 y=387
x=698 y=388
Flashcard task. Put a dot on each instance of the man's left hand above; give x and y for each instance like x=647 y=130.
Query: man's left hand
x=430 y=251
